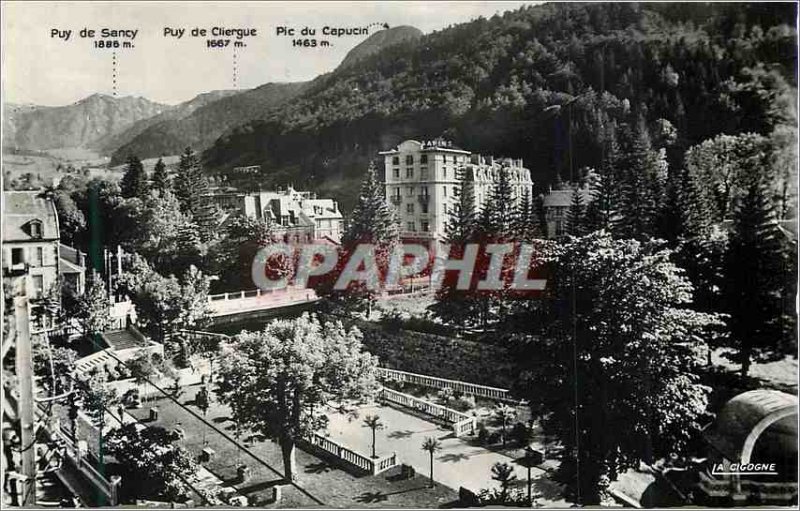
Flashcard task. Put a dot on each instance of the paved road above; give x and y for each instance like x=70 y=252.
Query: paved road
x=457 y=464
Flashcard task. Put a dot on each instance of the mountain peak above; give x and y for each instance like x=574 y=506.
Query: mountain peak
x=380 y=40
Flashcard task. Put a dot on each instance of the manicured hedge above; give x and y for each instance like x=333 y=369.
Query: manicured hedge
x=435 y=355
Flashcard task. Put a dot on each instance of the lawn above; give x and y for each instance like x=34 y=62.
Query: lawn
x=317 y=478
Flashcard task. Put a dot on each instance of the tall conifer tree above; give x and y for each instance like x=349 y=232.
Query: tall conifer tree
x=192 y=190
x=460 y=225
x=134 y=182
x=160 y=176
x=373 y=220
x=754 y=270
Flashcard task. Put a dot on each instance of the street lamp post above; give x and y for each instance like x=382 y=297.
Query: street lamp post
x=529 y=452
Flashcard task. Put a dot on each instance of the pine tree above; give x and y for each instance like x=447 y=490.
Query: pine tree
x=601 y=211
x=576 y=214
x=641 y=185
x=373 y=220
x=160 y=177
x=754 y=271
x=134 y=182
x=497 y=216
x=526 y=221
x=192 y=190
x=190 y=184
x=461 y=221
x=686 y=213
x=453 y=305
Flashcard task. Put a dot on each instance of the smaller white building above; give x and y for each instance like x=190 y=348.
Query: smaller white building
x=299 y=216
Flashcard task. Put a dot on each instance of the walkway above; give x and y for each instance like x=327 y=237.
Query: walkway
x=457 y=464
x=328 y=482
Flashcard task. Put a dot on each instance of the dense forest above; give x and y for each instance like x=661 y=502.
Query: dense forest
x=491 y=86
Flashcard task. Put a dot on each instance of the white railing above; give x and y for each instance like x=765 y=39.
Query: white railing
x=462 y=423
x=372 y=466
x=258 y=299
x=473 y=389
x=465 y=427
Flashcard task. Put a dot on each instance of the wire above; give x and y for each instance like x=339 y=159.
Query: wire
x=212 y=426
x=122 y=423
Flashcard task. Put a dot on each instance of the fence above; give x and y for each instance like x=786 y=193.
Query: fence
x=473 y=389
x=77 y=455
x=462 y=423
x=372 y=466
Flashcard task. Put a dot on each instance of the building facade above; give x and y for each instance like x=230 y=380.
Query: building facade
x=31 y=241
x=298 y=216
x=422 y=182
x=33 y=257
x=556 y=203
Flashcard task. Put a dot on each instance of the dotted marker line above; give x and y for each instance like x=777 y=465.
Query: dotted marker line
x=235 y=70
x=114 y=73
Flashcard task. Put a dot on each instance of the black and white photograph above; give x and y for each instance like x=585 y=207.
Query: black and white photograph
x=399 y=254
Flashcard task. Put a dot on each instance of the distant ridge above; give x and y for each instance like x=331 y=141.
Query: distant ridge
x=80 y=124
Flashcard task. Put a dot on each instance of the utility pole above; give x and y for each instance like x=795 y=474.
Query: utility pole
x=27 y=486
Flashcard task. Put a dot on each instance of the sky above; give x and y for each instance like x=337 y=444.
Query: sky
x=45 y=70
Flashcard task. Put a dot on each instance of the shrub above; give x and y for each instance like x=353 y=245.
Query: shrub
x=131 y=398
x=520 y=433
x=463 y=404
x=483 y=435
x=493 y=438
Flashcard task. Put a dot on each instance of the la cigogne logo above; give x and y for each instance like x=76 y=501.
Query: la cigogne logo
x=742 y=469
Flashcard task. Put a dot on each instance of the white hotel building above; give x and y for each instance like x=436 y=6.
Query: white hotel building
x=421 y=181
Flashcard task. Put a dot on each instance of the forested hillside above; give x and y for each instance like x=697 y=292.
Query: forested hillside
x=490 y=85
x=204 y=124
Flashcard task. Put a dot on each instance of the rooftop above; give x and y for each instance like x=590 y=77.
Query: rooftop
x=21 y=210
x=563 y=198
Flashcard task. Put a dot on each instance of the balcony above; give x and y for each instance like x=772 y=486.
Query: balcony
x=424 y=198
x=13 y=270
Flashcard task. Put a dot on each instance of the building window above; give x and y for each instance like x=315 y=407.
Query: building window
x=444 y=191
x=425 y=226
x=36 y=229
x=17 y=256
x=409 y=172
x=444 y=173
x=396 y=160
x=410 y=226
x=424 y=207
x=410 y=207
x=38 y=286
x=39 y=261
x=397 y=173
x=423 y=173
x=397 y=192
x=424 y=191
x=410 y=191
x=423 y=158
x=559 y=228
x=409 y=160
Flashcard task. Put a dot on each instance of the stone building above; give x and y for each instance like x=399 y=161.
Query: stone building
x=422 y=180
x=31 y=246
x=298 y=216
